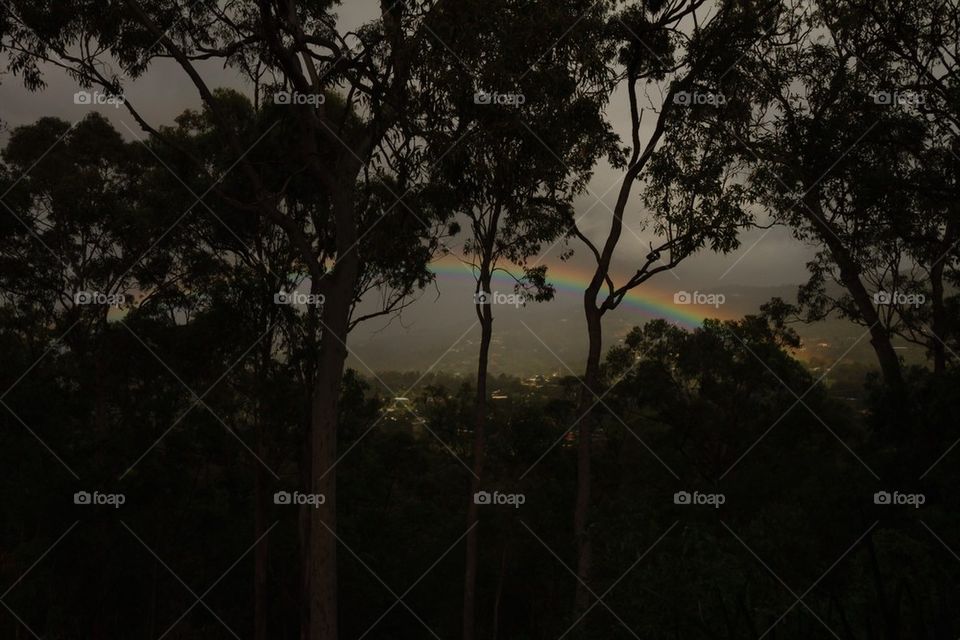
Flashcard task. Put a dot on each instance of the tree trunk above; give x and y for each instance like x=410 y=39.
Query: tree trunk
x=261 y=552
x=499 y=597
x=323 y=437
x=323 y=519
x=485 y=315
x=154 y=598
x=303 y=524
x=261 y=491
x=879 y=336
x=260 y=557
x=852 y=281
x=581 y=512
x=889 y=611
x=938 y=321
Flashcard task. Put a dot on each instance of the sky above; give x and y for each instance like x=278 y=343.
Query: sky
x=769 y=258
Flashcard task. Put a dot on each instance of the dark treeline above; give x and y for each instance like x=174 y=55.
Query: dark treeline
x=185 y=454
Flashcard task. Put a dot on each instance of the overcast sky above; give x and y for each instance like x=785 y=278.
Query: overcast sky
x=766 y=257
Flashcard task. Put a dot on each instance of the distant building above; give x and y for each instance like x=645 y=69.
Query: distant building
x=535 y=382
x=398 y=403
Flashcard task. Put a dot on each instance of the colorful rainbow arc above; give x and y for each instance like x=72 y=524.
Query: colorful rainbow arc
x=567 y=280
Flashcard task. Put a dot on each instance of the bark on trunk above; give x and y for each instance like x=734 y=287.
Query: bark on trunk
x=888 y=610
x=323 y=437
x=501 y=580
x=304 y=517
x=851 y=278
x=323 y=519
x=938 y=321
x=485 y=314
x=261 y=552
x=261 y=491
x=581 y=512
x=879 y=336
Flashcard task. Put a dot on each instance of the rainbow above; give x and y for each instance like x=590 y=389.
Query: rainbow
x=569 y=279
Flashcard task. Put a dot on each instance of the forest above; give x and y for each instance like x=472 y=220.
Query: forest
x=204 y=202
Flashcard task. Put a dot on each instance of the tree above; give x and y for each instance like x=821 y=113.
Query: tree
x=254 y=260
x=340 y=146
x=77 y=229
x=685 y=164
x=908 y=50
x=849 y=172
x=517 y=143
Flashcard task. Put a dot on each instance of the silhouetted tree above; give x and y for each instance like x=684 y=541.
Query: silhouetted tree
x=339 y=146
x=692 y=201
x=519 y=143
